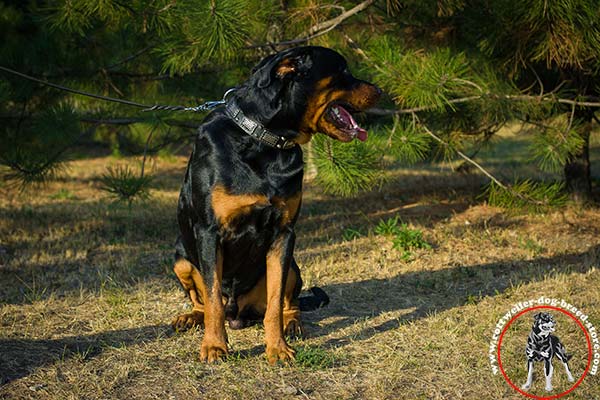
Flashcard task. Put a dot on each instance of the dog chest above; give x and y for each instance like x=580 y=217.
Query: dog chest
x=255 y=209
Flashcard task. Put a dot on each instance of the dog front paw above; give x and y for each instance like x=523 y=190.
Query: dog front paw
x=549 y=388
x=526 y=386
x=280 y=352
x=188 y=321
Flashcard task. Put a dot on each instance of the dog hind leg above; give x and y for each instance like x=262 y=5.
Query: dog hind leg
x=562 y=355
x=568 y=370
x=292 y=323
x=254 y=304
x=186 y=272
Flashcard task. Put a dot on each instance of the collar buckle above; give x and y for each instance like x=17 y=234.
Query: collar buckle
x=282 y=143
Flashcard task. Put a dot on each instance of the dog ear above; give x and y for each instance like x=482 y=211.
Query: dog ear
x=296 y=67
x=279 y=66
x=262 y=70
x=537 y=316
x=288 y=66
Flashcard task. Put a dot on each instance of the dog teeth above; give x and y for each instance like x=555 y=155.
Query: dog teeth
x=336 y=111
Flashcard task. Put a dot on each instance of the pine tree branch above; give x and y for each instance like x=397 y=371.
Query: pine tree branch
x=192 y=124
x=146 y=149
x=142 y=77
x=523 y=97
x=384 y=112
x=550 y=98
x=66 y=89
x=521 y=196
x=340 y=18
x=542 y=97
x=460 y=153
x=318 y=29
x=131 y=57
x=54 y=159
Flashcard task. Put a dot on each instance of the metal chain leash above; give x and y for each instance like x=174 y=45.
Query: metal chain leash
x=206 y=106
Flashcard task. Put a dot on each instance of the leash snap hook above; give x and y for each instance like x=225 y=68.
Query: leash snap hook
x=209 y=105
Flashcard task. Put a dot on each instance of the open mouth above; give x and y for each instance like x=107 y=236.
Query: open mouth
x=341 y=118
x=548 y=327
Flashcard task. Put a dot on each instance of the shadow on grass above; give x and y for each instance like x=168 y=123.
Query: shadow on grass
x=20 y=357
x=425 y=292
x=76 y=246
x=420 y=293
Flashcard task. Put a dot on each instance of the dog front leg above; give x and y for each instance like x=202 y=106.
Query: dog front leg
x=214 y=342
x=548 y=370
x=527 y=384
x=278 y=264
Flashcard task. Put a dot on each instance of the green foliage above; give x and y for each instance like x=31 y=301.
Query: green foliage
x=63 y=194
x=459 y=65
x=350 y=234
x=345 y=168
x=553 y=145
x=34 y=151
x=565 y=34
x=531 y=245
x=404 y=239
x=77 y=16
x=388 y=227
x=124 y=185
x=314 y=358
x=219 y=37
x=418 y=79
x=527 y=195
x=406 y=143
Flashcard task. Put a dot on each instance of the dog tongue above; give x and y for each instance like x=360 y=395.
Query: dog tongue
x=346 y=117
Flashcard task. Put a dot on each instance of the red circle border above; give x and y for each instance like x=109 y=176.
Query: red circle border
x=587 y=368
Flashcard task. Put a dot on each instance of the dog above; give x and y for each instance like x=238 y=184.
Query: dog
x=543 y=346
x=242 y=193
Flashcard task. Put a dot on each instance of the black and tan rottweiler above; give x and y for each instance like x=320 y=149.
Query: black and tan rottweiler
x=242 y=192
x=543 y=346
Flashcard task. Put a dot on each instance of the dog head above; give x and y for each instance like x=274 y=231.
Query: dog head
x=307 y=90
x=543 y=324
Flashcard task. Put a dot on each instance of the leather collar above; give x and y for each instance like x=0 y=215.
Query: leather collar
x=255 y=129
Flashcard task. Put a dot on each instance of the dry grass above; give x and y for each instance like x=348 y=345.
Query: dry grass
x=87 y=294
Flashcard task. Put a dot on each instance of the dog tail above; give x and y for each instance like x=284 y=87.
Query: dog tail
x=317 y=299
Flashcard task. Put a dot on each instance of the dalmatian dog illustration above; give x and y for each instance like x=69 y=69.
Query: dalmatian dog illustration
x=543 y=346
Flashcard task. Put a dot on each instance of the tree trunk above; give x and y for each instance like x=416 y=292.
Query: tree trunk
x=577 y=168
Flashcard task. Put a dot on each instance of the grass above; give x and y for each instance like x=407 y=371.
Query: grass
x=315 y=358
x=87 y=293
